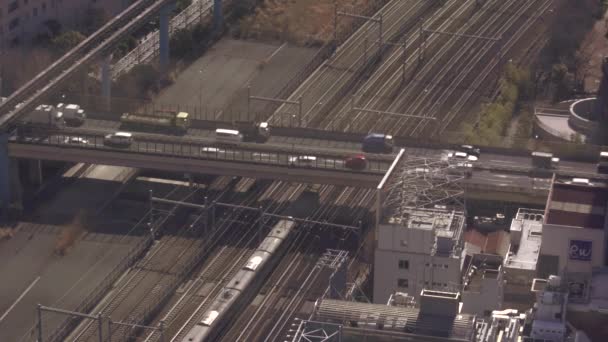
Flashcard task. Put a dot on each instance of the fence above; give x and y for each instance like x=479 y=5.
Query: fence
x=296 y=156
x=147 y=49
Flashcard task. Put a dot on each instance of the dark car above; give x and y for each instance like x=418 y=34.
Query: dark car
x=470 y=150
x=356 y=162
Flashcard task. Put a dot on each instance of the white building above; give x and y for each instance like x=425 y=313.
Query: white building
x=20 y=20
x=520 y=263
x=420 y=249
x=574 y=239
x=483 y=285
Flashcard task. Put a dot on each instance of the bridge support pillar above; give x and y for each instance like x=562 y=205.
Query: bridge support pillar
x=4 y=175
x=35 y=172
x=218 y=14
x=106 y=81
x=163 y=41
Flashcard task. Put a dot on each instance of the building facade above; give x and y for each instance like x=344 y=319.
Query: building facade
x=21 y=20
x=520 y=262
x=422 y=250
x=574 y=236
x=483 y=285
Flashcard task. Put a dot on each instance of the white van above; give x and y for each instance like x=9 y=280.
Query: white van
x=122 y=139
x=228 y=136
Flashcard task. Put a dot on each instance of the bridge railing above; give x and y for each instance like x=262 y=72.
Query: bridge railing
x=148 y=47
x=199 y=150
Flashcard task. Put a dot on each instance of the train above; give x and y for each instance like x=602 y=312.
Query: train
x=234 y=294
x=176 y=122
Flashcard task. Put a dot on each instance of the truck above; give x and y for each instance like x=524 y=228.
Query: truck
x=544 y=161
x=73 y=115
x=176 y=122
x=602 y=163
x=46 y=115
x=253 y=131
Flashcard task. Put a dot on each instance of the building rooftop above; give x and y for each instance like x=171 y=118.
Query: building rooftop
x=577 y=205
x=382 y=318
x=447 y=225
x=482 y=266
x=442 y=220
x=526 y=237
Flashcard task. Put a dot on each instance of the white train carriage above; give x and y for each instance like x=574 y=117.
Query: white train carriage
x=209 y=325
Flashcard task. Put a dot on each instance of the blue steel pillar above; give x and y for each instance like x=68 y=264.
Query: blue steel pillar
x=106 y=81
x=218 y=15
x=4 y=174
x=163 y=40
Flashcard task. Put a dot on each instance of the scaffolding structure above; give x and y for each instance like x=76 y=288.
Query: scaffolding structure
x=414 y=182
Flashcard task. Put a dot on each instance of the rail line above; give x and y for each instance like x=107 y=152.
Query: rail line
x=295 y=280
x=459 y=65
x=117 y=300
x=438 y=47
x=32 y=93
x=390 y=68
x=349 y=58
x=190 y=317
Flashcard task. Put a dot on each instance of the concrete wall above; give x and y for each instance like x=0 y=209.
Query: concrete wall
x=425 y=271
x=487 y=298
x=556 y=242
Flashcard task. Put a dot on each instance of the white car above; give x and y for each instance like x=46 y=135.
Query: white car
x=211 y=151
x=462 y=156
x=118 y=139
x=76 y=141
x=302 y=160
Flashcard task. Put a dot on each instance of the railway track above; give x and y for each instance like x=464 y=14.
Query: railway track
x=419 y=75
x=350 y=58
x=443 y=82
x=376 y=86
x=479 y=78
x=299 y=278
x=191 y=306
x=100 y=42
x=156 y=266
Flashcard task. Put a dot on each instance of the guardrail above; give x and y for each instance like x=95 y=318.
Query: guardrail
x=148 y=48
x=195 y=150
x=295 y=149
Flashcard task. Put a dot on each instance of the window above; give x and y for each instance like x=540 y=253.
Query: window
x=404 y=264
x=402 y=282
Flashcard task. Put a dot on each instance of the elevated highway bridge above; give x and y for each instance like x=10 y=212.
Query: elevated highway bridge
x=495 y=176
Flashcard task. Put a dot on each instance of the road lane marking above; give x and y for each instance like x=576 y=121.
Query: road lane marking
x=19 y=299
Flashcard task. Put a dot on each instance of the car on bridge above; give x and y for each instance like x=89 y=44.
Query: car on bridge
x=378 y=143
x=76 y=141
x=118 y=139
x=462 y=156
x=470 y=150
x=302 y=161
x=358 y=162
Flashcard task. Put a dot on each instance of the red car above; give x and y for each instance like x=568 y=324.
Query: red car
x=357 y=162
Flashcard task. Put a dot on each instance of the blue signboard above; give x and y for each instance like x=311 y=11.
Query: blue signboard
x=580 y=250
